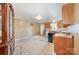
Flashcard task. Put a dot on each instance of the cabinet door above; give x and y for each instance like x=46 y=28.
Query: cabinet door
x=68 y=42
x=59 y=45
x=67 y=14
x=63 y=45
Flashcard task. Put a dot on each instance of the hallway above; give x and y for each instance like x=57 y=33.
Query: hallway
x=33 y=45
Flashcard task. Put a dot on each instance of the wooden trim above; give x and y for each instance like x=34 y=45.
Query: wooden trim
x=4 y=17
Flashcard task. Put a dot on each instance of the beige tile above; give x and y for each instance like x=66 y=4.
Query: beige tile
x=36 y=45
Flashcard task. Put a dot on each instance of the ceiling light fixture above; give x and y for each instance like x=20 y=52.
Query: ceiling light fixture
x=38 y=17
x=53 y=17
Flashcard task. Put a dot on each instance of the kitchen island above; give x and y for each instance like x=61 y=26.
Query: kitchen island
x=63 y=44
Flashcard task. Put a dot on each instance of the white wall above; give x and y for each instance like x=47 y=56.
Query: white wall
x=36 y=29
x=41 y=29
x=22 y=29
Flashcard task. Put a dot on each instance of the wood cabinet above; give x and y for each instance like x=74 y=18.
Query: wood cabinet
x=47 y=25
x=6 y=29
x=63 y=45
x=68 y=14
x=59 y=24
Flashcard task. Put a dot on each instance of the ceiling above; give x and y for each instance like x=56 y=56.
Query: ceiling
x=28 y=11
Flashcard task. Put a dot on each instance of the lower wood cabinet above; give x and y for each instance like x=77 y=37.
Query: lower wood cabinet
x=63 y=45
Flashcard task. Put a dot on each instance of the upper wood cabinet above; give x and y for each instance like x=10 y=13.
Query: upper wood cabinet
x=59 y=24
x=68 y=14
x=47 y=25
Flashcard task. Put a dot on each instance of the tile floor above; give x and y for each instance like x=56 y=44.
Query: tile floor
x=34 y=45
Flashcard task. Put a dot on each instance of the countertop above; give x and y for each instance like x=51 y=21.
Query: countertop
x=69 y=35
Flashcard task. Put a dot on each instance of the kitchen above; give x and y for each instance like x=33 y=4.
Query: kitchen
x=36 y=28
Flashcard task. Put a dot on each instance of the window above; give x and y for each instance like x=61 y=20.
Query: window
x=54 y=26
